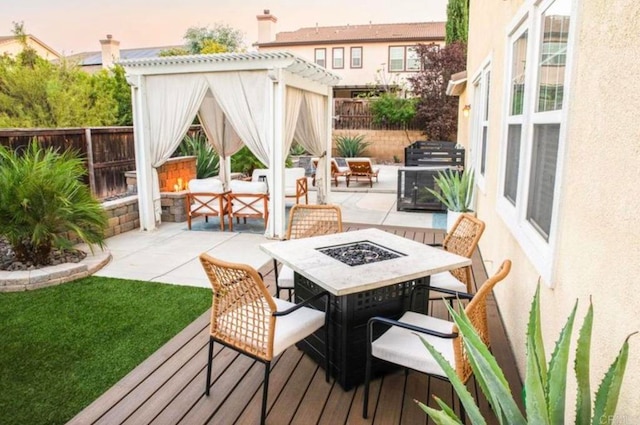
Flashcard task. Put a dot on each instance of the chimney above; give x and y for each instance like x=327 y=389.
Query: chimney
x=110 y=51
x=266 y=26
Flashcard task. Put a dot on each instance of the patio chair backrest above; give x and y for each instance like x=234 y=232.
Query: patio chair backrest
x=476 y=310
x=241 y=311
x=313 y=220
x=248 y=197
x=360 y=165
x=463 y=240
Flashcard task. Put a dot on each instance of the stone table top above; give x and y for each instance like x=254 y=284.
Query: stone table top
x=419 y=260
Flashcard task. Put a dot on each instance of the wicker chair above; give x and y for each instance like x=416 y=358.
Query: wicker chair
x=246 y=318
x=401 y=345
x=462 y=240
x=306 y=221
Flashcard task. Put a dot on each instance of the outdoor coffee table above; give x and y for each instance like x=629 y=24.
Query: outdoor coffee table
x=368 y=273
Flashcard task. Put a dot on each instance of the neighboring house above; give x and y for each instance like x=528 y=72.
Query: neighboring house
x=110 y=53
x=555 y=144
x=11 y=45
x=363 y=56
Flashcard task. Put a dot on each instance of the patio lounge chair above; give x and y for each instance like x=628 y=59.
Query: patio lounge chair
x=363 y=168
x=207 y=197
x=401 y=345
x=249 y=200
x=246 y=318
x=336 y=171
x=306 y=221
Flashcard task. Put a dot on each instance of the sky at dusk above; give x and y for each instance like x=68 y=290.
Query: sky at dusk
x=74 y=26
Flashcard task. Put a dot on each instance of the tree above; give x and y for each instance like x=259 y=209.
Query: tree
x=204 y=40
x=457 y=28
x=438 y=112
x=28 y=55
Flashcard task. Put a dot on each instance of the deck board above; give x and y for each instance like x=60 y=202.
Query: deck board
x=168 y=387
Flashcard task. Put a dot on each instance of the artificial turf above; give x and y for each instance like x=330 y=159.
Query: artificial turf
x=62 y=347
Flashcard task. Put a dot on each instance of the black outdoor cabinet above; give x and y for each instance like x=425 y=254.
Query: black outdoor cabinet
x=433 y=154
x=412 y=189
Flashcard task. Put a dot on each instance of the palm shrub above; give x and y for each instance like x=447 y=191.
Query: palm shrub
x=545 y=384
x=42 y=199
x=351 y=146
x=455 y=189
x=207 y=159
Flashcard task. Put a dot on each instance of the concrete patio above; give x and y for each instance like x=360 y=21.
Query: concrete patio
x=170 y=253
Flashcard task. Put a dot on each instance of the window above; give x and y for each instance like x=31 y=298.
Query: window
x=321 y=57
x=481 y=90
x=413 y=60
x=532 y=150
x=514 y=118
x=356 y=57
x=396 y=58
x=338 y=57
x=403 y=58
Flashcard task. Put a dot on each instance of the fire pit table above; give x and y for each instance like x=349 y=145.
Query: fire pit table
x=368 y=273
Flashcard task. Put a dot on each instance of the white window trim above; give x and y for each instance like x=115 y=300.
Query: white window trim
x=541 y=253
x=478 y=121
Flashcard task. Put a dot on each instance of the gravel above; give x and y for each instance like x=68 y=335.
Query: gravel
x=57 y=256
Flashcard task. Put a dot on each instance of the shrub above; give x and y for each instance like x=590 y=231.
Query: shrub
x=351 y=146
x=42 y=199
x=391 y=109
x=207 y=159
x=544 y=386
x=244 y=161
x=297 y=149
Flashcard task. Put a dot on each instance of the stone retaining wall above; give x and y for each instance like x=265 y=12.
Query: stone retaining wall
x=122 y=215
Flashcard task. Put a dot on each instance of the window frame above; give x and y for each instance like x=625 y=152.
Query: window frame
x=333 y=57
x=541 y=251
x=405 y=58
x=315 y=56
x=480 y=121
x=351 y=56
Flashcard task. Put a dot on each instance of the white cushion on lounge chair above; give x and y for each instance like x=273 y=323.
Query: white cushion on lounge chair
x=291 y=175
x=404 y=347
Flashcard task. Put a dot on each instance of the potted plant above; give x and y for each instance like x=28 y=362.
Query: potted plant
x=455 y=192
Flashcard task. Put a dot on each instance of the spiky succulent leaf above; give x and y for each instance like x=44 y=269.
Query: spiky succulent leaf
x=464 y=395
x=609 y=390
x=438 y=416
x=536 y=374
x=486 y=369
x=557 y=377
x=446 y=409
x=581 y=365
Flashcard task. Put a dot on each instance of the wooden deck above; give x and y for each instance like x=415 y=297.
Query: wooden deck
x=168 y=388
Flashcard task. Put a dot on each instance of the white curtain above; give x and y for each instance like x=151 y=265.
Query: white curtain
x=173 y=102
x=220 y=133
x=292 y=113
x=311 y=133
x=244 y=97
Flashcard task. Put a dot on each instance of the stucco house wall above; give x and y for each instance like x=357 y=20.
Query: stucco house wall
x=12 y=46
x=597 y=241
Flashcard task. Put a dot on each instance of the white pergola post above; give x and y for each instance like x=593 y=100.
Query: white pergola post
x=277 y=199
x=142 y=145
x=327 y=171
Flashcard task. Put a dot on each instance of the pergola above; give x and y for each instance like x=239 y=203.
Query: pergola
x=261 y=100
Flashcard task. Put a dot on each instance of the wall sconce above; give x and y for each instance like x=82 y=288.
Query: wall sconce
x=465 y=111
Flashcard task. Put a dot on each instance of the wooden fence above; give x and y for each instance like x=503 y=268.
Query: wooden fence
x=108 y=151
x=355 y=114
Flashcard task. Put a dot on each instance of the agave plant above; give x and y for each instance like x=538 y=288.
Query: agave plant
x=545 y=385
x=297 y=149
x=351 y=146
x=456 y=189
x=207 y=159
x=42 y=198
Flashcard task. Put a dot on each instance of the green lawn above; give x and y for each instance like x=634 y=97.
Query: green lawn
x=62 y=347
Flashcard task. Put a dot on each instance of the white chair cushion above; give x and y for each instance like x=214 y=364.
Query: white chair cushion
x=295 y=326
x=444 y=280
x=257 y=173
x=285 y=277
x=205 y=204
x=404 y=347
x=291 y=175
x=210 y=185
x=239 y=186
